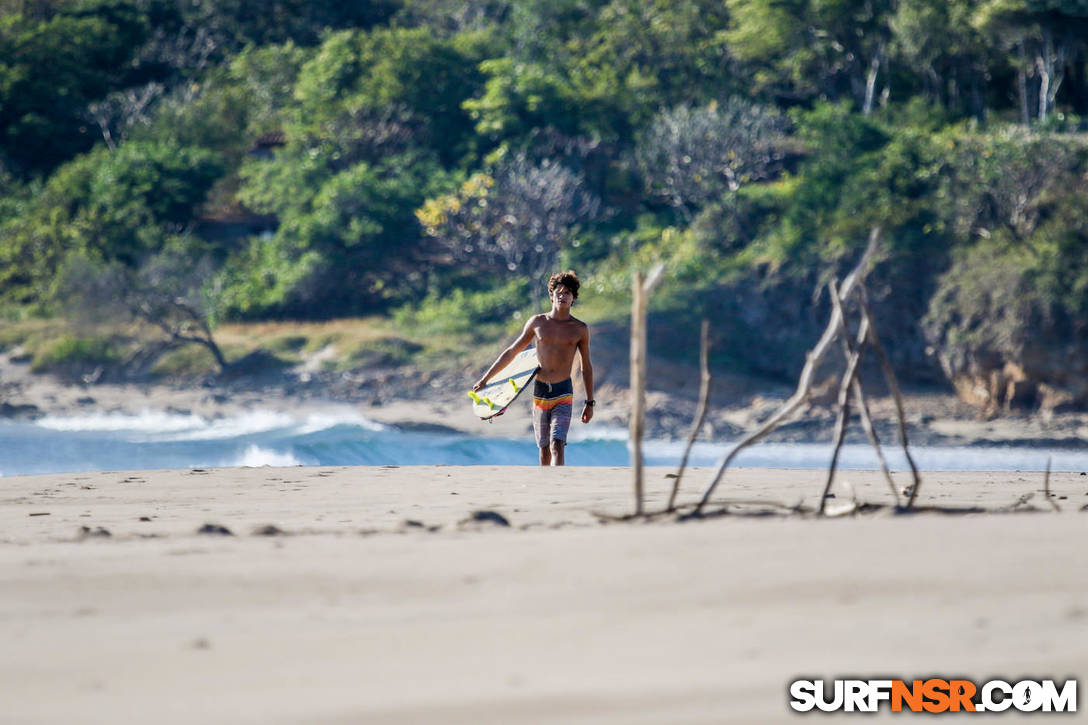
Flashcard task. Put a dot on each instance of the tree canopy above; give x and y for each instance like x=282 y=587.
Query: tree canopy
x=327 y=159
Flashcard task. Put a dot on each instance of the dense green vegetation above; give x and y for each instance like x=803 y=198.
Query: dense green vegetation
x=430 y=161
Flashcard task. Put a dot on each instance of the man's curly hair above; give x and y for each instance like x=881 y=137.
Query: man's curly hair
x=568 y=279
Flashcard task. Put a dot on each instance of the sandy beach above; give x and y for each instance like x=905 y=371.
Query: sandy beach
x=373 y=595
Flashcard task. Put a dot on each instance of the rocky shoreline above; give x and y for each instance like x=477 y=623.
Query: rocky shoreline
x=414 y=399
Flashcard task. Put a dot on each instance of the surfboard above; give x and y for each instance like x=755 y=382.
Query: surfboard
x=505 y=386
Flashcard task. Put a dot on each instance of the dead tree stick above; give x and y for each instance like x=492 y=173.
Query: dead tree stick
x=638 y=384
x=640 y=291
x=874 y=439
x=700 y=414
x=893 y=386
x=843 y=421
x=804 y=383
x=860 y=399
x=1046 y=487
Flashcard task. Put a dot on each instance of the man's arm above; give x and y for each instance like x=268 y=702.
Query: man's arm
x=508 y=354
x=587 y=375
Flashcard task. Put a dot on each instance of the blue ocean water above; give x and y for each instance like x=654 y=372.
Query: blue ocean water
x=111 y=442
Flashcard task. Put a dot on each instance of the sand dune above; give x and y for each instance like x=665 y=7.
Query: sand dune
x=381 y=601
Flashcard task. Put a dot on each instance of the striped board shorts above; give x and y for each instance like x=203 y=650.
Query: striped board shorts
x=552 y=406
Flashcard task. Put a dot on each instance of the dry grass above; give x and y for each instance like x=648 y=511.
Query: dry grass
x=346 y=334
x=344 y=343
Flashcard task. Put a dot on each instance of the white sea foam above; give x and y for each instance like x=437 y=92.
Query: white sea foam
x=580 y=433
x=249 y=422
x=860 y=456
x=165 y=426
x=146 y=421
x=340 y=436
x=318 y=422
x=255 y=457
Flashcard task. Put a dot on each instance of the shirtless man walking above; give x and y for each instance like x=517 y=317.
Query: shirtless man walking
x=557 y=336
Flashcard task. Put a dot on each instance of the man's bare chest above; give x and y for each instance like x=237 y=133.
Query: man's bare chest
x=558 y=335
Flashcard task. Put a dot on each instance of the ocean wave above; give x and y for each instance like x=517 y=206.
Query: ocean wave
x=340 y=436
x=255 y=457
x=162 y=426
x=862 y=457
x=579 y=433
x=145 y=421
x=246 y=423
x=318 y=422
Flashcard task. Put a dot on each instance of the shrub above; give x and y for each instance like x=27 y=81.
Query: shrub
x=69 y=354
x=473 y=314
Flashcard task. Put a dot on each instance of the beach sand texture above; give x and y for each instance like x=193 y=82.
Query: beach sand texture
x=375 y=603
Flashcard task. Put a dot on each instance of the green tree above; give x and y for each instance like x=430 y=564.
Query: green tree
x=347 y=238
x=411 y=69
x=661 y=52
x=51 y=69
x=1006 y=181
x=801 y=50
x=1008 y=318
x=521 y=98
x=232 y=106
x=600 y=70
x=377 y=119
x=267 y=76
x=1043 y=37
x=452 y=16
x=237 y=23
x=945 y=56
x=110 y=206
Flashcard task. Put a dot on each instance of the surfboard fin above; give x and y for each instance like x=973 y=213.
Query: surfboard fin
x=516 y=388
x=481 y=401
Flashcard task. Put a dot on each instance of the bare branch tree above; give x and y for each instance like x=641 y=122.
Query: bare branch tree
x=119 y=112
x=516 y=220
x=692 y=156
x=167 y=291
x=187 y=53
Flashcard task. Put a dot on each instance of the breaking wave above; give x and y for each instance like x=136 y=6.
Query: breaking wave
x=151 y=440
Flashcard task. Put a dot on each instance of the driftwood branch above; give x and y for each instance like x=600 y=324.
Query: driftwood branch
x=848 y=379
x=893 y=386
x=859 y=396
x=804 y=383
x=700 y=414
x=1046 y=487
x=874 y=439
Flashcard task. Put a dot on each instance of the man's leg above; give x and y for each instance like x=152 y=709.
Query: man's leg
x=558 y=447
x=542 y=428
x=560 y=423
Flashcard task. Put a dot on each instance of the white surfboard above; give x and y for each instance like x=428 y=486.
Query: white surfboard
x=505 y=385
